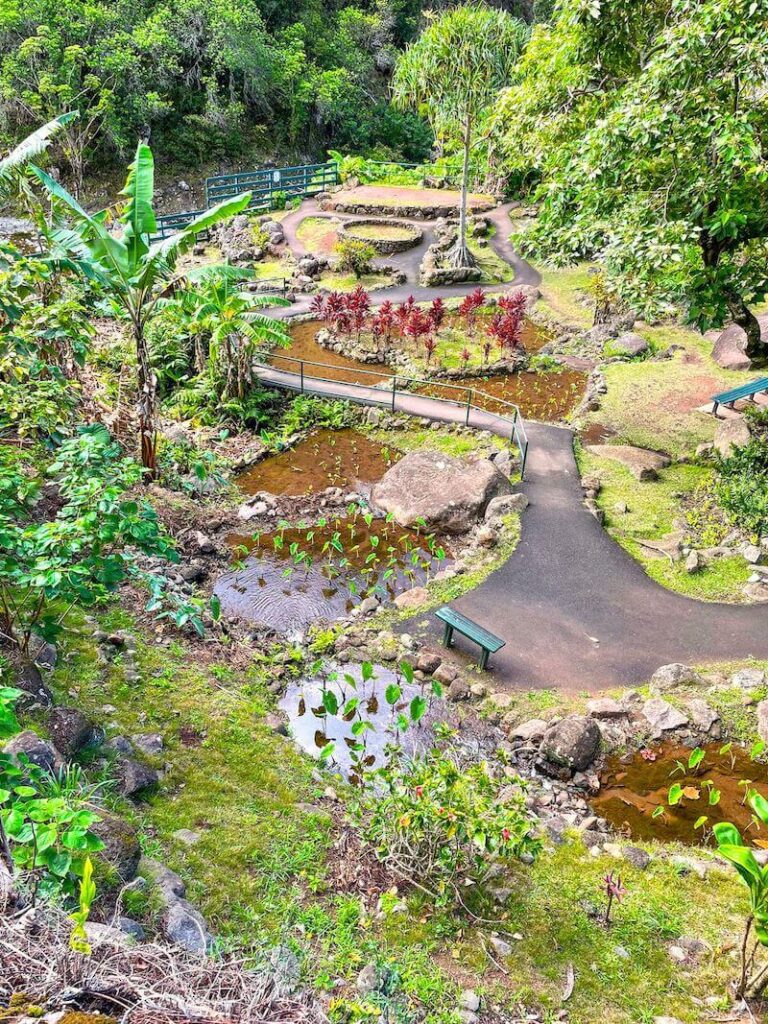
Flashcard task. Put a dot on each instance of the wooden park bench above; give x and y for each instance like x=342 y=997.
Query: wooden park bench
x=756 y=387
x=488 y=642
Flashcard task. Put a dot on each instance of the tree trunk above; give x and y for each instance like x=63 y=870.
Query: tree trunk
x=147 y=405
x=746 y=319
x=461 y=256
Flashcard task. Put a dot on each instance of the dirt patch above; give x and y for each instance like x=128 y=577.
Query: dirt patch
x=335 y=366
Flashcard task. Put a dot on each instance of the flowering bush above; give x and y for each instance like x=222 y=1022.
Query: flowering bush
x=441 y=826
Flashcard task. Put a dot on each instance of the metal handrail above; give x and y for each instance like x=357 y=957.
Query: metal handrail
x=518 y=434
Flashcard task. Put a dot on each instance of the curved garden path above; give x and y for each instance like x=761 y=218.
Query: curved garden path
x=576 y=611
x=410 y=260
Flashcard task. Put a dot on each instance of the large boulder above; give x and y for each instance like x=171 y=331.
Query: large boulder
x=572 y=743
x=641 y=463
x=447 y=493
x=630 y=345
x=729 y=351
x=731 y=433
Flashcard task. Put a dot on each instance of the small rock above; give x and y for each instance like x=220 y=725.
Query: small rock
x=187 y=836
x=121 y=844
x=677 y=954
x=662 y=716
x=702 y=715
x=369 y=605
x=670 y=677
x=150 y=743
x=749 y=679
x=413 y=598
x=445 y=674
x=469 y=1000
x=693 y=562
x=72 y=732
x=753 y=554
x=606 y=707
x=133 y=776
x=572 y=743
x=184 y=925
x=731 y=433
x=131 y=928
x=458 y=690
x=762 y=720
x=500 y=946
x=428 y=663
x=367 y=980
x=638 y=858
x=167 y=881
x=31 y=746
x=531 y=731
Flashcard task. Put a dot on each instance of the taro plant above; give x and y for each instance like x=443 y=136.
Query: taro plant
x=752 y=979
x=45 y=837
x=135 y=271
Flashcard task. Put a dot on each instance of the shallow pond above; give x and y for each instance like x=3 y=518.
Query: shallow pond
x=632 y=790
x=304 y=346
x=327 y=458
x=548 y=396
x=355 y=746
x=294 y=577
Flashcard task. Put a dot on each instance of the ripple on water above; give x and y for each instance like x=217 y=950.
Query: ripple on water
x=632 y=790
x=327 y=458
x=295 y=577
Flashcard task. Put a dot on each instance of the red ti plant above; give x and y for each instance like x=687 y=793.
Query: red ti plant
x=468 y=309
x=417 y=325
x=386 y=318
x=317 y=307
x=614 y=890
x=403 y=313
x=437 y=314
x=430 y=344
x=466 y=355
x=335 y=310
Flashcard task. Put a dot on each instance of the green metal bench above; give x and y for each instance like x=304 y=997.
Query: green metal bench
x=756 y=387
x=487 y=641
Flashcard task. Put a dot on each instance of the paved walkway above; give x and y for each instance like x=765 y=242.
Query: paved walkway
x=409 y=261
x=577 y=612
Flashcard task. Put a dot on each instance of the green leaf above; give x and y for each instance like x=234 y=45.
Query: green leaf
x=392 y=694
x=695 y=758
x=417 y=708
x=330 y=702
x=138 y=218
x=675 y=794
x=759 y=805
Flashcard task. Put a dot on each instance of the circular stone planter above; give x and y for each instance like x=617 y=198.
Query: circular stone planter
x=386 y=237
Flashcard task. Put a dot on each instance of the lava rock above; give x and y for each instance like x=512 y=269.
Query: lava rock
x=133 y=777
x=184 y=925
x=121 y=844
x=35 y=693
x=36 y=750
x=72 y=732
x=662 y=716
x=572 y=743
x=449 y=494
x=671 y=677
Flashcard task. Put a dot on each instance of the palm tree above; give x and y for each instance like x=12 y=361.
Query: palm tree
x=135 y=271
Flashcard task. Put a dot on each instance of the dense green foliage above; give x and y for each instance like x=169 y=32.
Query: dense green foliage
x=209 y=78
x=647 y=125
x=742 y=483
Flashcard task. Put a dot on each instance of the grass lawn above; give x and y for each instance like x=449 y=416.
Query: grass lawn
x=564 y=294
x=387 y=232
x=318 y=234
x=653 y=510
x=653 y=404
x=260 y=871
x=339 y=282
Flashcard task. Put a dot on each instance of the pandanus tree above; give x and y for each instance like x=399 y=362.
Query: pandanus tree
x=452 y=74
x=135 y=272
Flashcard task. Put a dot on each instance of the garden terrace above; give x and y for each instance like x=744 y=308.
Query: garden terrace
x=393 y=201
x=386 y=238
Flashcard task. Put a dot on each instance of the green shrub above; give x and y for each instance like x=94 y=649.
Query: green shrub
x=354 y=256
x=442 y=826
x=742 y=485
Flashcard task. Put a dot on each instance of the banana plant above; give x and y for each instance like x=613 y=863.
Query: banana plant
x=731 y=846
x=234 y=325
x=134 y=271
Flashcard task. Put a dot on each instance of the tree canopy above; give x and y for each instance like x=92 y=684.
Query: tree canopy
x=648 y=127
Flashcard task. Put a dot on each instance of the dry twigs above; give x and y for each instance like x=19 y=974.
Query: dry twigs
x=137 y=984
